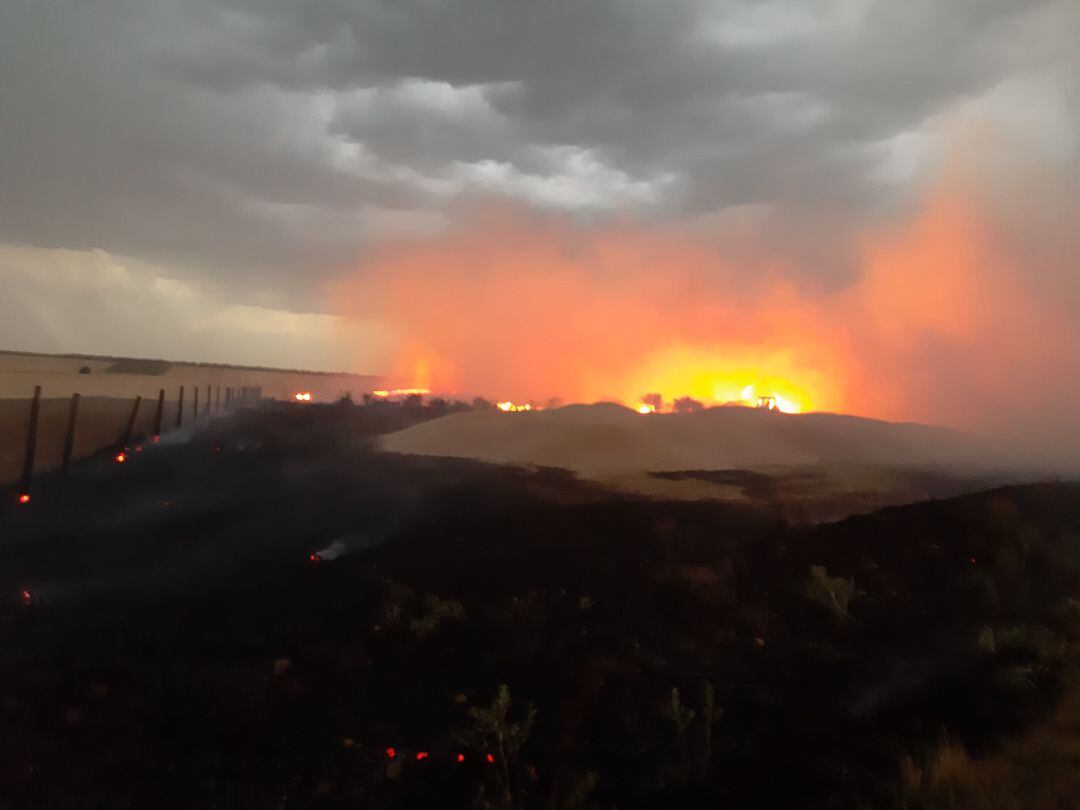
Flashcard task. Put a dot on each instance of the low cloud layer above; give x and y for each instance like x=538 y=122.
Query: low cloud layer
x=58 y=299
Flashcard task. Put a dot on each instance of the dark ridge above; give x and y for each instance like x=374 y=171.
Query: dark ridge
x=132 y=366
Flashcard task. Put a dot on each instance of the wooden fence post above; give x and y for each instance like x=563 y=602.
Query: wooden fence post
x=160 y=413
x=209 y=413
x=180 y=409
x=195 y=406
x=217 y=398
x=228 y=397
x=131 y=423
x=69 y=436
x=31 y=444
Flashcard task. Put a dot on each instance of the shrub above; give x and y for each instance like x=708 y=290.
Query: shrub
x=491 y=731
x=436 y=612
x=687 y=405
x=835 y=593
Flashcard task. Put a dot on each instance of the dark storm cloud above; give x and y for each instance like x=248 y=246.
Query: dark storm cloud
x=261 y=143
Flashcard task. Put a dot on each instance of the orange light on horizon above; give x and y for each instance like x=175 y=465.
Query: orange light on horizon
x=385 y=393
x=303 y=396
x=729 y=376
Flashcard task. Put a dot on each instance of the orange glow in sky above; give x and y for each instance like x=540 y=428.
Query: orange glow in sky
x=938 y=321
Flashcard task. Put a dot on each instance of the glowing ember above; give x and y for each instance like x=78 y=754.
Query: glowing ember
x=421 y=756
x=120 y=458
x=27 y=597
x=490 y=758
x=381 y=393
x=460 y=757
x=303 y=396
x=313 y=557
x=511 y=407
x=391 y=752
x=24 y=498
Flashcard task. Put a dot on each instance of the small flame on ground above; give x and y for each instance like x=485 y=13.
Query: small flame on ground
x=490 y=758
x=24 y=498
x=460 y=757
x=303 y=396
x=421 y=756
x=120 y=458
x=27 y=597
x=511 y=407
x=383 y=393
x=391 y=752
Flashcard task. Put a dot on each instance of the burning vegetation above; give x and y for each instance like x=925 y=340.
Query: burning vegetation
x=931 y=319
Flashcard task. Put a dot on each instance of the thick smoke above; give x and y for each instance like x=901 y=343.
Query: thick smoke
x=962 y=309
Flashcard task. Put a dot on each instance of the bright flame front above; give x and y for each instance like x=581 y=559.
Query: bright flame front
x=726 y=376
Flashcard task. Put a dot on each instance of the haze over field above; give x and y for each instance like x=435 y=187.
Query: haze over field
x=859 y=206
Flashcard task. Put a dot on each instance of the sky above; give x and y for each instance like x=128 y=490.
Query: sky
x=859 y=205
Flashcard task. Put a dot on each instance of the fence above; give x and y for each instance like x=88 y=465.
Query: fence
x=59 y=431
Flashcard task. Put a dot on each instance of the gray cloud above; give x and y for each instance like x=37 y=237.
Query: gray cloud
x=260 y=145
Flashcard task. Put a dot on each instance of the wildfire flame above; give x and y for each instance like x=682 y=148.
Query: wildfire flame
x=303 y=396
x=386 y=393
x=510 y=407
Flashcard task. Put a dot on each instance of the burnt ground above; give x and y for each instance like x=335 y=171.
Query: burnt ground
x=178 y=647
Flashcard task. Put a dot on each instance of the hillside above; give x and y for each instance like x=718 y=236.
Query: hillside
x=606 y=439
